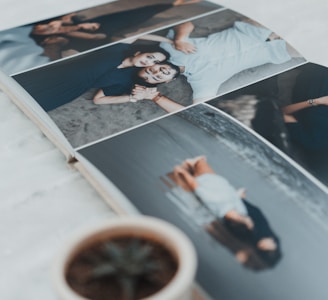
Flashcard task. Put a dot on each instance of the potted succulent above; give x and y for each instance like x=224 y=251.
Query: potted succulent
x=127 y=258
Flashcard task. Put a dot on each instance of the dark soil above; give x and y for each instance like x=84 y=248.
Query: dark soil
x=109 y=288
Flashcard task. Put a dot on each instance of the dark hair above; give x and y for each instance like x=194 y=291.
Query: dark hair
x=220 y=231
x=270 y=257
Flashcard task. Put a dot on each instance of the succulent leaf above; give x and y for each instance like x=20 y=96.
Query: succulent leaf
x=127 y=264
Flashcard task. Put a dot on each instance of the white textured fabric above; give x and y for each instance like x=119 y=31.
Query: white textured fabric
x=219 y=195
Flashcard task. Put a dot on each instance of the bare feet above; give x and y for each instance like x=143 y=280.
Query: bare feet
x=178 y=170
x=191 y=162
x=187 y=166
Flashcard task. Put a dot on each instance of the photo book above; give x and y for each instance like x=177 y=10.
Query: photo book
x=193 y=113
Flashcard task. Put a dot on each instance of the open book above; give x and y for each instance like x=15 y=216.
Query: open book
x=247 y=113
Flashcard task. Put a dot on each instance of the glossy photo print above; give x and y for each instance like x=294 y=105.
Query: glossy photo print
x=45 y=41
x=236 y=197
x=109 y=90
x=291 y=111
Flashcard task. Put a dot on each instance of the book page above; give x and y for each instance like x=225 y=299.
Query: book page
x=253 y=214
x=289 y=110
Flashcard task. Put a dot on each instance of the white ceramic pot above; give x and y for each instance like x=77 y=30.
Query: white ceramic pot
x=179 y=288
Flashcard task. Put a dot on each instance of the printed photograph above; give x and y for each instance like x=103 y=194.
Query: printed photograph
x=291 y=111
x=231 y=193
x=112 y=89
x=39 y=43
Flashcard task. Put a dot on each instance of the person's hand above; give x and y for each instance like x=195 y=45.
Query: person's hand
x=89 y=26
x=69 y=52
x=321 y=101
x=249 y=223
x=67 y=19
x=267 y=244
x=185 y=47
x=140 y=92
x=179 y=170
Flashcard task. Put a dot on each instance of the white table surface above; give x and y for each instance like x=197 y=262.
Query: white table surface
x=42 y=201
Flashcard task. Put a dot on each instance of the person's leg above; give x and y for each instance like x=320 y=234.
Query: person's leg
x=289 y=118
x=184 y=2
x=186 y=177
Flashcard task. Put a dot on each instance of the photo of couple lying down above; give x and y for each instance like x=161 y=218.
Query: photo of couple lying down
x=237 y=224
x=189 y=63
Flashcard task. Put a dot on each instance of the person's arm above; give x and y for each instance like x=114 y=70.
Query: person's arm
x=233 y=215
x=91 y=26
x=101 y=98
x=187 y=177
x=167 y=104
x=182 y=32
x=141 y=92
x=86 y=35
x=183 y=2
x=69 y=52
x=292 y=108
